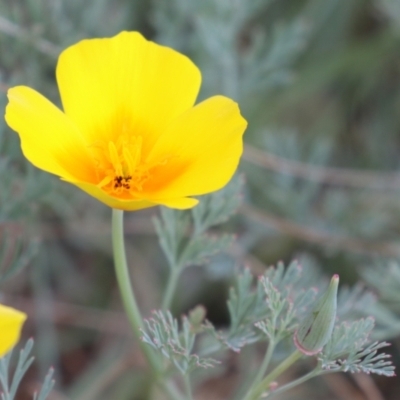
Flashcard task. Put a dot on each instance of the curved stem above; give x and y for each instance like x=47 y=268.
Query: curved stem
x=171 y=287
x=124 y=283
x=130 y=305
x=266 y=382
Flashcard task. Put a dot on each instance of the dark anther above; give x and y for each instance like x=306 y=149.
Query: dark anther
x=122 y=181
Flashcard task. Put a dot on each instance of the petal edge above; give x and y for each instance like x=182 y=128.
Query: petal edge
x=49 y=140
x=206 y=145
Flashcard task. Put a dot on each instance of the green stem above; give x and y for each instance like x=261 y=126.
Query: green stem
x=131 y=307
x=265 y=363
x=124 y=283
x=171 y=287
x=262 y=370
x=256 y=393
x=172 y=391
x=188 y=387
x=296 y=382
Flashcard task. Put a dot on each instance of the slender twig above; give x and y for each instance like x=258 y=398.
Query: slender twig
x=68 y=314
x=326 y=175
x=171 y=287
x=319 y=237
x=14 y=30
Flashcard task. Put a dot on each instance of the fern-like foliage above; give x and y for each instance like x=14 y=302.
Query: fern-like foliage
x=266 y=308
x=350 y=350
x=184 y=236
x=164 y=336
x=10 y=383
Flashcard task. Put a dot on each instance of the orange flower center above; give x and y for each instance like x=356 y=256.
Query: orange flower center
x=120 y=167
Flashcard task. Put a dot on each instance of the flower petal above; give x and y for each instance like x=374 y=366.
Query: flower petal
x=125 y=83
x=133 y=205
x=181 y=203
x=49 y=140
x=11 y=321
x=205 y=145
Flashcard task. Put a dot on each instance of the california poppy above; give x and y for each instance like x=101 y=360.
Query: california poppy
x=130 y=134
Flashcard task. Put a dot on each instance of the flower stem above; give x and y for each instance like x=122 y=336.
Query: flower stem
x=188 y=387
x=171 y=287
x=258 y=390
x=124 y=283
x=131 y=307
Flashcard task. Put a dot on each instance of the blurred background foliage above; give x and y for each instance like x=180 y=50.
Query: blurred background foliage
x=318 y=81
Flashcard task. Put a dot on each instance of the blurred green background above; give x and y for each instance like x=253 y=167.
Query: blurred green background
x=319 y=83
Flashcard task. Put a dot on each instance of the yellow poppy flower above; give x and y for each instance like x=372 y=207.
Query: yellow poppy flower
x=11 y=321
x=130 y=134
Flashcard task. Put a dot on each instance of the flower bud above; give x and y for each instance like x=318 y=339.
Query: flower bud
x=196 y=318
x=316 y=329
